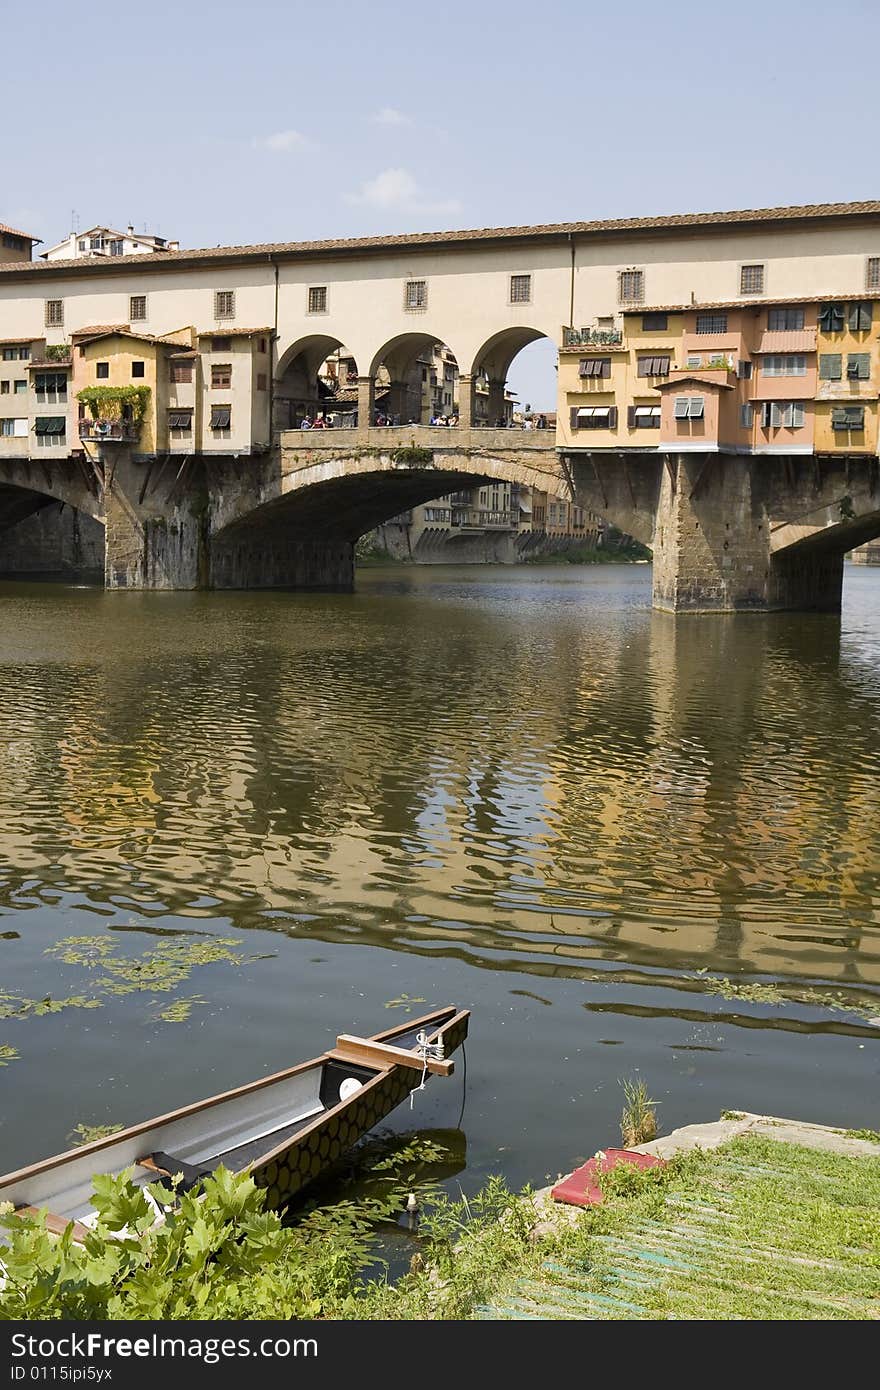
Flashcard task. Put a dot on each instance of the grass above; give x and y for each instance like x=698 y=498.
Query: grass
x=638 y=1120
x=757 y=1229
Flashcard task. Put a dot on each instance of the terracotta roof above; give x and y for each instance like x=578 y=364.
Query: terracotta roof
x=232 y=332
x=753 y=302
x=13 y=231
x=48 y=364
x=353 y=246
x=19 y=341
x=782 y=340
x=100 y=330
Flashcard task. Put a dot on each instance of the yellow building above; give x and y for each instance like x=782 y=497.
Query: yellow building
x=849 y=372
x=607 y=377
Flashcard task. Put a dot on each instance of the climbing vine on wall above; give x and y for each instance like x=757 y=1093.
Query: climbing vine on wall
x=116 y=402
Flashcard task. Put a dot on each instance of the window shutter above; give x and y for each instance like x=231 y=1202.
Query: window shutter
x=680 y=409
x=661 y=366
x=644 y=365
x=745 y=415
x=798 y=415
x=582 y=368
x=631 y=416
x=830 y=364
x=860 y=315
x=573 y=422
x=604 y=367
x=612 y=418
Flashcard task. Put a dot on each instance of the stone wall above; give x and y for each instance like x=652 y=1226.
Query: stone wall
x=57 y=542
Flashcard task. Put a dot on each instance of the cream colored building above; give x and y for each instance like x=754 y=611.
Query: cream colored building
x=101 y=242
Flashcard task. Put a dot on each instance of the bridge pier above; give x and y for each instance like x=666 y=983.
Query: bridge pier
x=254 y=559
x=151 y=541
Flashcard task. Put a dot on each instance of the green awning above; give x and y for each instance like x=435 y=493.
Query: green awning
x=50 y=424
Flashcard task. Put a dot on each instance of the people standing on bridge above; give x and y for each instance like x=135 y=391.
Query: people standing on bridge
x=319 y=423
x=305 y=423
x=542 y=422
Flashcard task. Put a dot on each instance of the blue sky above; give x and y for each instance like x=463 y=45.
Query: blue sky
x=278 y=120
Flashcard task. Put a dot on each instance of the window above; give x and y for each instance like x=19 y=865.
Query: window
x=318 y=299
x=221 y=376
x=221 y=417
x=14 y=429
x=16 y=354
x=848 y=417
x=54 y=313
x=872 y=273
x=594 y=417
x=520 y=289
x=262 y=345
x=694 y=361
x=784 y=364
x=654 y=323
x=180 y=424
x=102 y=370
x=4 y=388
x=859 y=316
x=643 y=417
x=595 y=366
x=224 y=304
x=831 y=318
x=137 y=307
x=50 y=430
x=19 y=387
x=782 y=415
x=181 y=373
x=262 y=382
x=689 y=408
x=83 y=245
x=137 y=369
x=785 y=320
x=744 y=369
x=858 y=366
x=221 y=344
x=50 y=386
x=830 y=366
x=711 y=323
x=745 y=416
x=630 y=286
x=415 y=294
x=751 y=279
x=653 y=366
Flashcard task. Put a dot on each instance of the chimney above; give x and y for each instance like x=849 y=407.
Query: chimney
x=174 y=246
x=130 y=229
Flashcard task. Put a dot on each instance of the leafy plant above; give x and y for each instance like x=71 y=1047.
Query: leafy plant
x=116 y=402
x=412 y=455
x=58 y=352
x=8 y=1054
x=638 y=1121
x=85 y=1134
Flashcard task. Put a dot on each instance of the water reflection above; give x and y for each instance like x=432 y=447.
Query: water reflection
x=523 y=772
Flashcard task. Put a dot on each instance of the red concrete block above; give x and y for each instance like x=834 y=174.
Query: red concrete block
x=581 y=1188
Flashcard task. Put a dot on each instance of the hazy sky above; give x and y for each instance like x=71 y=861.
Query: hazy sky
x=276 y=120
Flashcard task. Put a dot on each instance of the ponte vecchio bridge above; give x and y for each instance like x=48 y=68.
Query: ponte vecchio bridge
x=699 y=409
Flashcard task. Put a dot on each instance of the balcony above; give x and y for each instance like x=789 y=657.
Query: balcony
x=483 y=519
x=592 y=337
x=109 y=431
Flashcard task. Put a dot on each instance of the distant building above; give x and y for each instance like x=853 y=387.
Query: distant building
x=105 y=241
x=15 y=246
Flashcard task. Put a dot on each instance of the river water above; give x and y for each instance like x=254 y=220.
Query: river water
x=519 y=790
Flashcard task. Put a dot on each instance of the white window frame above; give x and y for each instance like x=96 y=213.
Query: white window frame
x=780 y=364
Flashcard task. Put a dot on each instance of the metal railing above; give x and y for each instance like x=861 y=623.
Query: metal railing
x=118 y=431
x=592 y=337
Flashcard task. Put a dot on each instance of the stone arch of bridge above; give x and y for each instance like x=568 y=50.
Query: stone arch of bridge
x=407 y=401
x=347 y=495
x=299 y=386
x=29 y=485
x=490 y=368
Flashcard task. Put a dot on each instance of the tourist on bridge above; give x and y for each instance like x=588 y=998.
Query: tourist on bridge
x=305 y=423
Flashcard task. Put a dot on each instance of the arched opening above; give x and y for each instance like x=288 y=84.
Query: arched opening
x=42 y=538
x=514 y=378
x=415 y=381
x=316 y=379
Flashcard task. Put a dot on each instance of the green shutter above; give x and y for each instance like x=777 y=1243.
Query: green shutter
x=860 y=315
x=858 y=366
x=830 y=365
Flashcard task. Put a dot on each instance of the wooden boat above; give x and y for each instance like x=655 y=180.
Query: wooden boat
x=283 y=1129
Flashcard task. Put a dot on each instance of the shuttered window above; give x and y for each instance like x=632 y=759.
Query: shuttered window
x=858 y=366
x=643 y=417
x=221 y=376
x=859 y=316
x=50 y=381
x=653 y=366
x=711 y=323
x=784 y=364
x=49 y=425
x=180 y=421
x=745 y=416
x=751 y=279
x=221 y=417
x=594 y=417
x=744 y=369
x=181 y=373
x=595 y=366
x=631 y=286
x=848 y=417
x=782 y=415
x=654 y=323
x=831 y=318
x=785 y=320
x=830 y=366
x=688 y=408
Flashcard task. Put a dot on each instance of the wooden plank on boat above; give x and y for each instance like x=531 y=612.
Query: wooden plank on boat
x=366 y=1052
x=56 y=1225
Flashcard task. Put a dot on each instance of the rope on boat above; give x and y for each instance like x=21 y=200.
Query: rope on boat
x=428 y=1051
